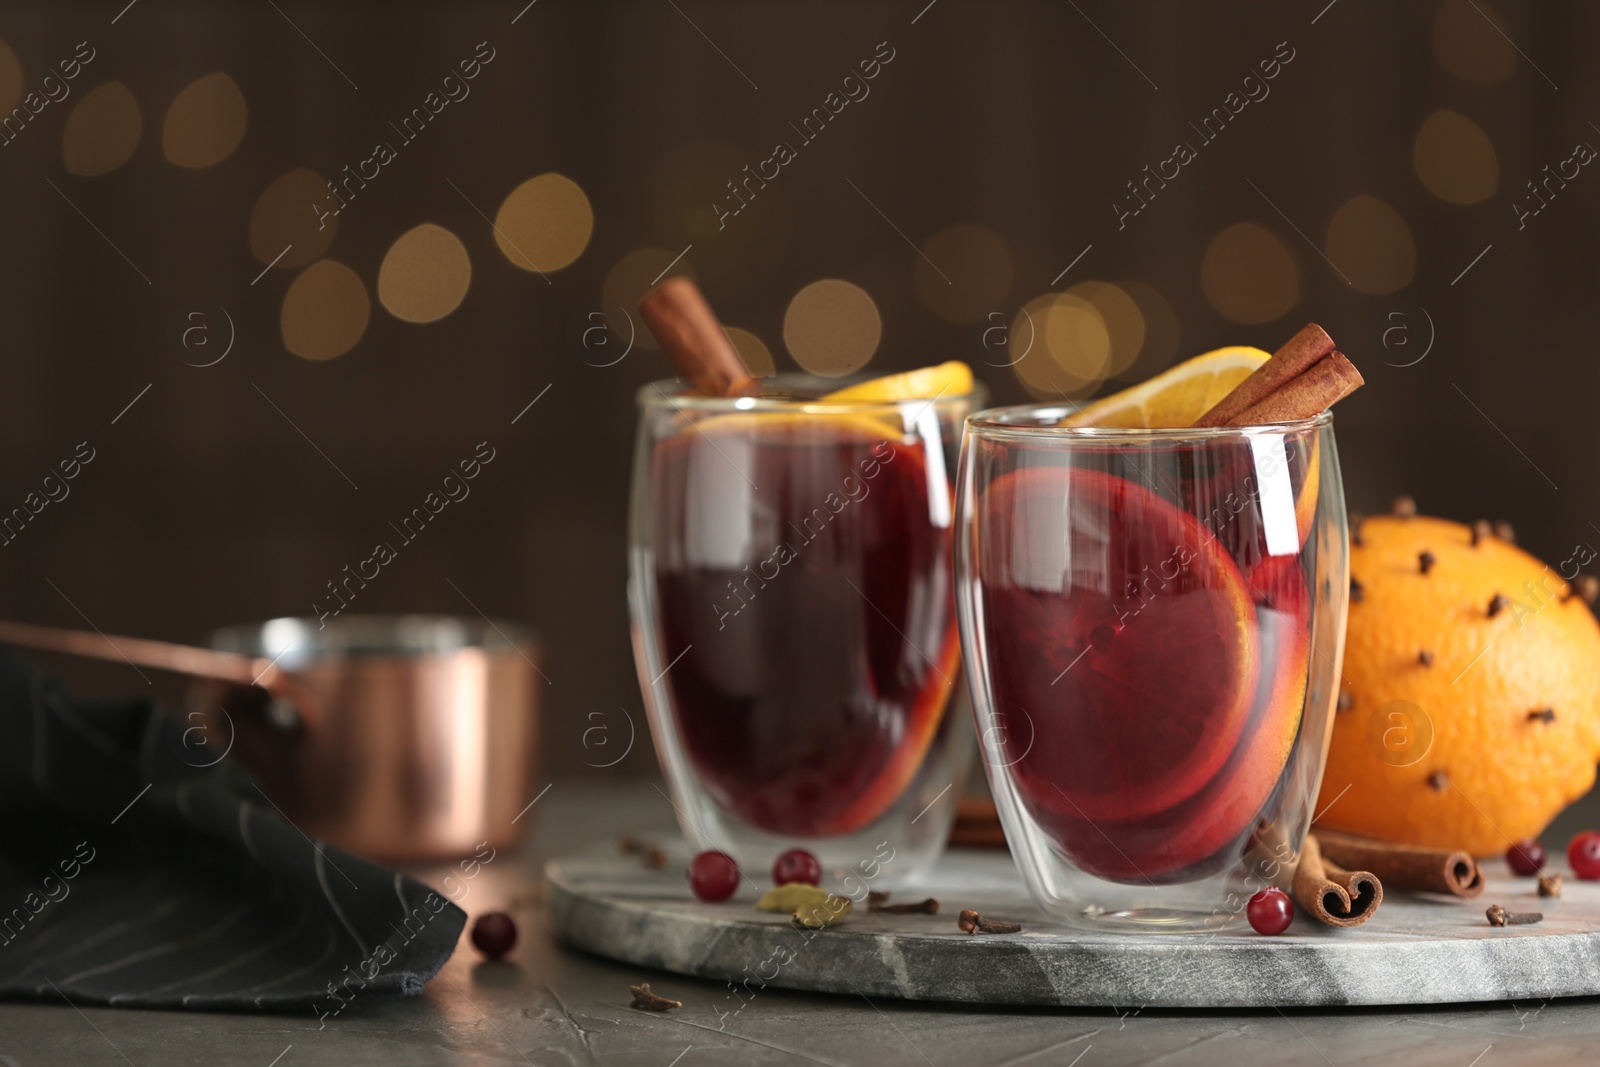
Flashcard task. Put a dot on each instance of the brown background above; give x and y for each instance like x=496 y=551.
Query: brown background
x=205 y=507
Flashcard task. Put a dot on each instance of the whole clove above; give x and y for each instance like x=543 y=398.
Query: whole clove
x=1587 y=586
x=651 y=856
x=1542 y=715
x=1549 y=885
x=1404 y=508
x=1499 y=916
x=921 y=907
x=875 y=896
x=1503 y=530
x=1497 y=604
x=1346 y=700
x=971 y=922
x=1425 y=657
x=1426 y=560
x=1439 y=780
x=1356 y=591
x=1481 y=531
x=648 y=1001
x=1355 y=530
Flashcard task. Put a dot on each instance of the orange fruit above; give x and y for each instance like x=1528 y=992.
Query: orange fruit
x=1443 y=739
x=1177 y=396
x=947 y=379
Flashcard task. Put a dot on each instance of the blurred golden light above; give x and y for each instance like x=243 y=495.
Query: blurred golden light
x=425 y=274
x=1248 y=274
x=754 y=351
x=325 y=311
x=1161 y=331
x=102 y=130
x=969 y=274
x=544 y=224
x=832 y=327
x=1372 y=245
x=205 y=122
x=630 y=278
x=1122 y=320
x=1454 y=158
x=284 y=217
x=1059 y=346
x=10 y=79
x=1467 y=45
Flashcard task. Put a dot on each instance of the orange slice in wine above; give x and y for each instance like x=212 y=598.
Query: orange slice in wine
x=1123 y=633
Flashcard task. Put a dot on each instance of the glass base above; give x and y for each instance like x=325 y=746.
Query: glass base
x=1156 y=920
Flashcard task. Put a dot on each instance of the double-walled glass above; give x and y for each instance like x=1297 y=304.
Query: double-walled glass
x=791 y=591
x=1153 y=622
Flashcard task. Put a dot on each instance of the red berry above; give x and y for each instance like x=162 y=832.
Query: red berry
x=494 y=933
x=1584 y=855
x=1270 y=911
x=1526 y=856
x=713 y=876
x=797 y=865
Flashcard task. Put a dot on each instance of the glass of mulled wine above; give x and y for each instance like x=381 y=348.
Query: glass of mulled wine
x=1153 y=620
x=792 y=598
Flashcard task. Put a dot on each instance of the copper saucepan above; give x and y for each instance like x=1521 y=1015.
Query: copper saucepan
x=402 y=738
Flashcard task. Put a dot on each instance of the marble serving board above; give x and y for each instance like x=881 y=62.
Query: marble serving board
x=1416 y=950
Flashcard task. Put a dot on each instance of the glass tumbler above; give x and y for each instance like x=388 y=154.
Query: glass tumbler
x=1153 y=622
x=792 y=599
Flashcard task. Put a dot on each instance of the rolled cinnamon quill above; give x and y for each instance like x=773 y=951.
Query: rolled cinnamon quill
x=687 y=328
x=1302 y=379
x=1417 y=870
x=1331 y=894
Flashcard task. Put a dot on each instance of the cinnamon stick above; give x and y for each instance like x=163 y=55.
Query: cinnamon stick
x=1331 y=894
x=687 y=328
x=1303 y=378
x=1420 y=870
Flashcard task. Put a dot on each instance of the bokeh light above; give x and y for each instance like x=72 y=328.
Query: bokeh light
x=325 y=311
x=1372 y=245
x=283 y=218
x=973 y=274
x=544 y=224
x=1455 y=159
x=1468 y=46
x=102 y=130
x=630 y=278
x=1162 y=331
x=205 y=122
x=1122 y=320
x=832 y=327
x=425 y=274
x=10 y=79
x=754 y=351
x=1060 y=346
x=1248 y=274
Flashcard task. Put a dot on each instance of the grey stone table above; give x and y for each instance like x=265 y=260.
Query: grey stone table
x=553 y=1005
x=1415 y=950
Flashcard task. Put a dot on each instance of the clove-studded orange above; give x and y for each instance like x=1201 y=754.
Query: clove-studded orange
x=1469 y=714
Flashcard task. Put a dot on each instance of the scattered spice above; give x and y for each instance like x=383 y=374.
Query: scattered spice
x=1426 y=560
x=921 y=907
x=1542 y=715
x=1439 y=780
x=1503 y=530
x=1425 y=658
x=1404 y=508
x=1497 y=604
x=1346 y=701
x=875 y=896
x=823 y=913
x=1499 y=916
x=1355 y=530
x=652 y=856
x=1356 y=592
x=643 y=998
x=971 y=922
x=1481 y=531
x=791 y=897
x=1549 y=885
x=1587 y=586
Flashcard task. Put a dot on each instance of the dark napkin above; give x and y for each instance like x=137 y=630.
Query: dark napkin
x=140 y=869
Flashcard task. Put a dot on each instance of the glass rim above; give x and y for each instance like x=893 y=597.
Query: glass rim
x=995 y=422
x=675 y=394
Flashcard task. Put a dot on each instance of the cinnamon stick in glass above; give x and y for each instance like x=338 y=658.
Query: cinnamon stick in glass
x=689 y=332
x=1419 y=870
x=1302 y=379
x=1331 y=894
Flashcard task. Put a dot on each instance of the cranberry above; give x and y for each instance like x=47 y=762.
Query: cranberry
x=1526 y=856
x=1270 y=911
x=494 y=932
x=1584 y=855
x=797 y=865
x=713 y=876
